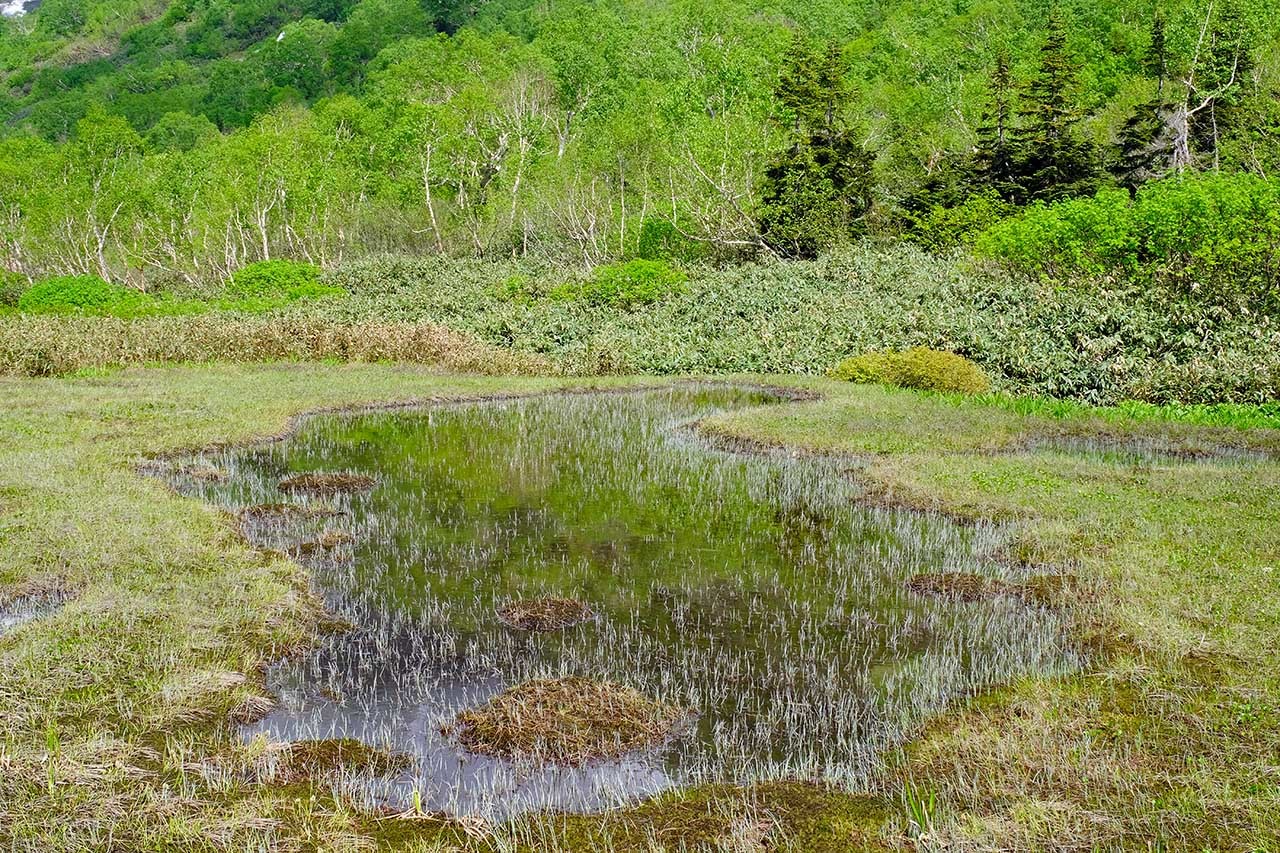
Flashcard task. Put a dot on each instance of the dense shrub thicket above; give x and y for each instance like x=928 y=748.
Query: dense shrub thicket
x=75 y=293
x=1212 y=238
x=1100 y=344
x=278 y=279
x=626 y=285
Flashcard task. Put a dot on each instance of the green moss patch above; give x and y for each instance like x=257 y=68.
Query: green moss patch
x=782 y=815
x=568 y=721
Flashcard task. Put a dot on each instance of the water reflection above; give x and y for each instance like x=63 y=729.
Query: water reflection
x=754 y=589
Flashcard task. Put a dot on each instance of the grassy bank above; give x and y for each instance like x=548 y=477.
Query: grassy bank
x=114 y=708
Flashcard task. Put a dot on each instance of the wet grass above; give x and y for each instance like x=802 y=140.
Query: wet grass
x=568 y=721
x=335 y=483
x=113 y=708
x=544 y=614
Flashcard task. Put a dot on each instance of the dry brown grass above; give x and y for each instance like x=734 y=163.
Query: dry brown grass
x=33 y=345
x=334 y=483
x=568 y=721
x=545 y=614
x=305 y=760
x=960 y=586
x=269 y=512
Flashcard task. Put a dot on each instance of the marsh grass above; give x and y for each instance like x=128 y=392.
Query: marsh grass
x=1167 y=741
x=568 y=721
x=545 y=614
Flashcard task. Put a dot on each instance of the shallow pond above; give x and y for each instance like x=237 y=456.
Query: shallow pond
x=752 y=588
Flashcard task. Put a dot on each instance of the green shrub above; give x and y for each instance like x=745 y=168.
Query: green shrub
x=12 y=286
x=943 y=227
x=1212 y=238
x=276 y=281
x=660 y=240
x=627 y=285
x=919 y=368
x=86 y=294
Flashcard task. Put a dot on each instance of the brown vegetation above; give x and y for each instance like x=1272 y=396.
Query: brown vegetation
x=545 y=614
x=327 y=483
x=566 y=721
x=40 y=345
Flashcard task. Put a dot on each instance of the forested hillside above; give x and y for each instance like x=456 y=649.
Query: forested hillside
x=153 y=144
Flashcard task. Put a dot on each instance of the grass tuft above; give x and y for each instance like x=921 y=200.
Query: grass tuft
x=328 y=484
x=545 y=614
x=566 y=721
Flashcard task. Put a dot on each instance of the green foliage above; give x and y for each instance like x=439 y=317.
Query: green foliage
x=281 y=279
x=180 y=131
x=626 y=285
x=12 y=286
x=1211 y=238
x=660 y=240
x=941 y=227
x=1098 y=344
x=75 y=293
x=918 y=368
x=817 y=191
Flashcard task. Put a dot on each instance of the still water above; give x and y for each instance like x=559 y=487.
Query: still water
x=752 y=588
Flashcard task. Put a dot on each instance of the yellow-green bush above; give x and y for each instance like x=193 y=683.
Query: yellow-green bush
x=920 y=368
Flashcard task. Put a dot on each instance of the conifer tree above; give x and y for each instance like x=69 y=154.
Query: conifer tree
x=816 y=191
x=1144 y=146
x=1053 y=160
x=1155 y=62
x=994 y=156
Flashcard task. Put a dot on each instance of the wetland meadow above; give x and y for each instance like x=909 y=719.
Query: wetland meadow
x=359 y=607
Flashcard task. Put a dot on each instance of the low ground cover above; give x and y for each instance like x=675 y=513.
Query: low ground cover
x=114 y=707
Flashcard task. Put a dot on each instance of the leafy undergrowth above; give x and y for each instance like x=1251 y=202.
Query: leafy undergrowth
x=114 y=730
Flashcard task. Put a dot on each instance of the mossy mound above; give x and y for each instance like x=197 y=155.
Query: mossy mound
x=326 y=541
x=961 y=586
x=310 y=759
x=919 y=368
x=567 y=721
x=1054 y=590
x=203 y=473
x=251 y=709
x=545 y=614
x=274 y=512
x=780 y=815
x=327 y=484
